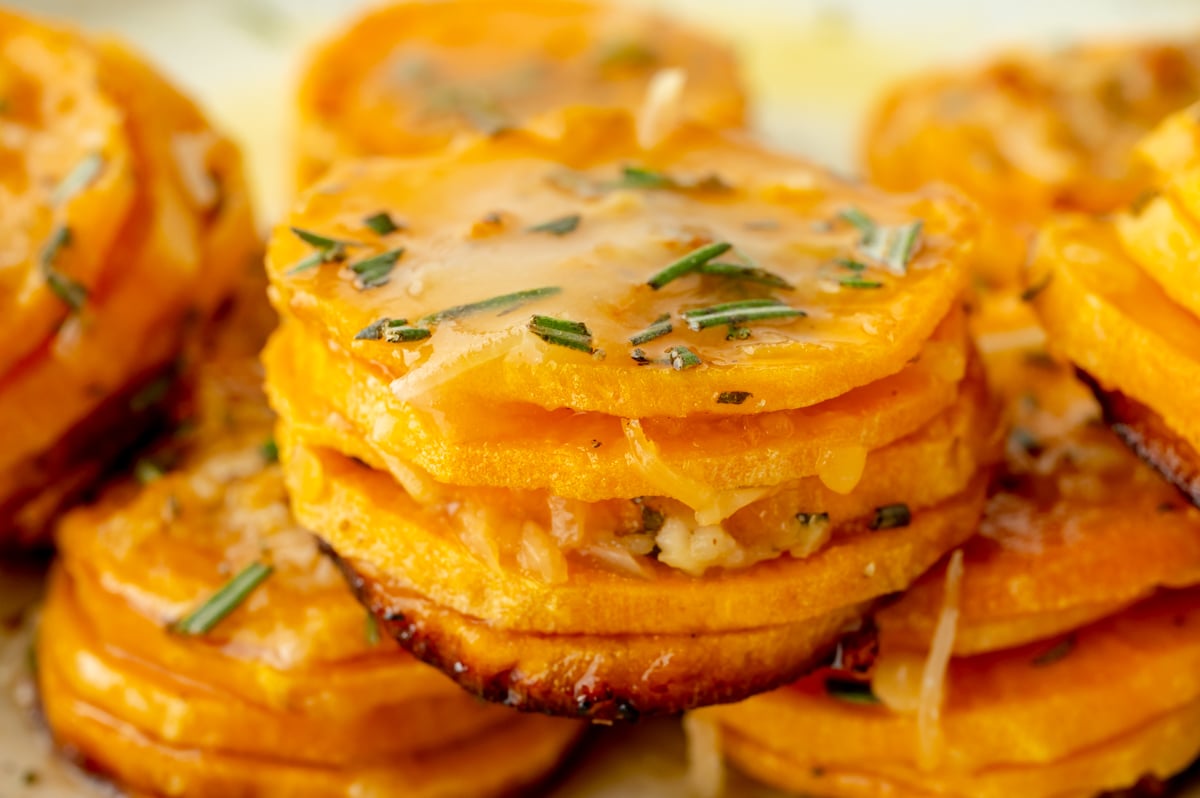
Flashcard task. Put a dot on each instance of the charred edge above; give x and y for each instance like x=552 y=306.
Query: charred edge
x=601 y=702
x=1144 y=431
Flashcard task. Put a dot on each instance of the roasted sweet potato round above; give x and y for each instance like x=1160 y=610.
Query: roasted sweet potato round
x=129 y=216
x=406 y=78
x=294 y=688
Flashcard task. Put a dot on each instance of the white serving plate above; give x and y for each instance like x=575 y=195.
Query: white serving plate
x=814 y=67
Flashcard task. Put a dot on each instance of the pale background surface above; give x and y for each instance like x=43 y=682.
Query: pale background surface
x=814 y=67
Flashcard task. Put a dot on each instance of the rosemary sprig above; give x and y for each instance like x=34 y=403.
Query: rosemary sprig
x=738 y=271
x=562 y=332
x=381 y=223
x=865 y=224
x=558 y=227
x=377 y=270
x=660 y=327
x=326 y=250
x=681 y=357
x=504 y=304
x=895 y=246
x=204 y=618
x=851 y=264
x=688 y=263
x=735 y=313
x=394 y=331
x=79 y=178
x=733 y=397
x=891 y=516
x=72 y=293
x=269 y=451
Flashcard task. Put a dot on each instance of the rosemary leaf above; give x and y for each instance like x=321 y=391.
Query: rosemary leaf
x=375 y=271
x=504 y=304
x=859 y=282
x=682 y=358
x=558 y=227
x=206 y=617
x=72 y=293
x=865 y=224
x=1031 y=292
x=688 y=263
x=738 y=271
x=381 y=223
x=79 y=178
x=562 y=332
x=851 y=691
x=328 y=250
x=734 y=313
x=637 y=177
x=891 y=516
x=733 y=397
x=269 y=451
x=660 y=327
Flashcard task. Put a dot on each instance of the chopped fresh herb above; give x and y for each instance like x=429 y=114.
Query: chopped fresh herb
x=660 y=327
x=859 y=282
x=381 y=223
x=737 y=333
x=562 y=332
x=850 y=691
x=895 y=246
x=637 y=177
x=739 y=312
x=682 y=358
x=372 y=629
x=374 y=330
x=72 y=293
x=503 y=304
x=733 y=397
x=739 y=271
x=558 y=227
x=376 y=270
x=79 y=178
x=639 y=356
x=688 y=263
x=269 y=450
x=851 y=264
x=891 y=516
x=205 y=618
x=1055 y=653
x=1033 y=290
x=626 y=53
x=31 y=778
x=652 y=519
x=1142 y=200
x=865 y=224
x=327 y=250
x=404 y=334
x=147 y=470
x=151 y=394
x=812 y=519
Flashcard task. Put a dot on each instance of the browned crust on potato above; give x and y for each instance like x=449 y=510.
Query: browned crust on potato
x=1144 y=431
x=602 y=678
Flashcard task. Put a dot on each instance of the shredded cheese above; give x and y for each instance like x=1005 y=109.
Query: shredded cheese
x=706 y=767
x=662 y=109
x=933 y=677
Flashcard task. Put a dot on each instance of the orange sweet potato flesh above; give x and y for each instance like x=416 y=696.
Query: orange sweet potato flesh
x=172 y=251
x=289 y=689
x=407 y=78
x=780 y=212
x=585 y=456
x=492 y=627
x=1029 y=135
x=1122 y=702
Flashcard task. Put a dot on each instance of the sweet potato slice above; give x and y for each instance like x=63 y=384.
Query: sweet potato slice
x=469 y=212
x=407 y=78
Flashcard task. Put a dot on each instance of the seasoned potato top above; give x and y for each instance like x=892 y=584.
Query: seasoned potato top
x=571 y=268
x=408 y=77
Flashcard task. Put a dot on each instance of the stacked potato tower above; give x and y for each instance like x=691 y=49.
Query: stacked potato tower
x=125 y=216
x=602 y=429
